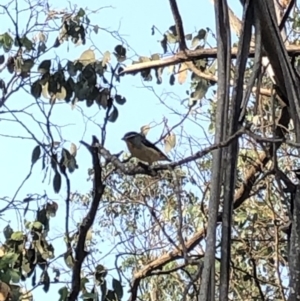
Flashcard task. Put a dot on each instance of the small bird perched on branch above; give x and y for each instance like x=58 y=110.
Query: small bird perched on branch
x=143 y=149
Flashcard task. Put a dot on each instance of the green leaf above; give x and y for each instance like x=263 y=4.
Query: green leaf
x=113 y=116
x=37 y=225
x=27 y=43
x=27 y=65
x=18 y=236
x=15 y=276
x=35 y=154
x=57 y=182
x=6 y=42
x=9 y=258
x=80 y=13
x=69 y=260
x=63 y=292
x=117 y=286
x=89 y=296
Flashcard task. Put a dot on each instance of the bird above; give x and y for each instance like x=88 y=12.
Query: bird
x=143 y=149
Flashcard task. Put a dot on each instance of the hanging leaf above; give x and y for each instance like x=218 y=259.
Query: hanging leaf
x=113 y=116
x=73 y=149
x=45 y=279
x=164 y=43
x=57 y=182
x=118 y=289
x=96 y=29
x=27 y=65
x=120 y=99
x=87 y=57
x=106 y=58
x=35 y=154
x=170 y=142
x=44 y=66
x=63 y=292
x=80 y=13
x=172 y=79
x=188 y=37
x=8 y=231
x=2 y=59
x=69 y=260
x=145 y=129
x=36 y=90
x=182 y=73
x=120 y=53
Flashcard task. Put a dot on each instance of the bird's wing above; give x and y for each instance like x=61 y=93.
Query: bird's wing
x=149 y=144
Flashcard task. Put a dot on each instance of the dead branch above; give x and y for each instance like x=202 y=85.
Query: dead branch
x=196 y=54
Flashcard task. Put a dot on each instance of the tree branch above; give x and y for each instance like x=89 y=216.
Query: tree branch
x=88 y=221
x=189 y=55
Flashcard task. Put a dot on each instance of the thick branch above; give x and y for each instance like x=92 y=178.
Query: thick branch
x=196 y=54
x=87 y=222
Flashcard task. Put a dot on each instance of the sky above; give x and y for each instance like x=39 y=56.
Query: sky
x=133 y=20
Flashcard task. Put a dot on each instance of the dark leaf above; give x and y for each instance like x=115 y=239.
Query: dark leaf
x=36 y=90
x=188 y=37
x=27 y=65
x=113 y=116
x=57 y=274
x=117 y=286
x=33 y=280
x=111 y=296
x=172 y=79
x=10 y=65
x=2 y=59
x=80 y=13
x=57 y=43
x=72 y=165
x=57 y=182
x=45 y=279
x=63 y=292
x=35 y=154
x=44 y=66
x=2 y=85
x=164 y=43
x=71 y=68
x=26 y=43
x=120 y=53
x=8 y=231
x=120 y=99
x=152 y=30
x=173 y=30
x=42 y=217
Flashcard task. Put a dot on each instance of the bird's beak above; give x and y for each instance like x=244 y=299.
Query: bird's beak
x=123 y=138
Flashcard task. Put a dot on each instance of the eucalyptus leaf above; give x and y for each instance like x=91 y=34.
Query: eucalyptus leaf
x=118 y=289
x=35 y=154
x=113 y=116
x=57 y=182
x=44 y=66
